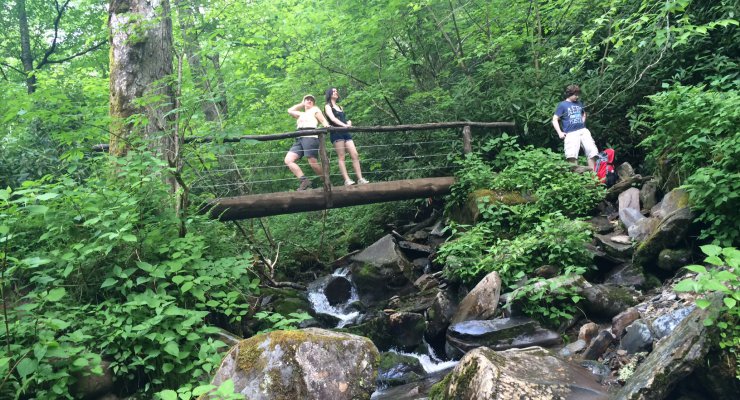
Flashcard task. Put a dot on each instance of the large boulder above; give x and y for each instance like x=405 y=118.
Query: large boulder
x=498 y=334
x=482 y=301
x=606 y=301
x=338 y=290
x=672 y=358
x=439 y=315
x=532 y=373
x=399 y=369
x=381 y=271
x=671 y=231
x=649 y=194
x=304 y=364
x=407 y=330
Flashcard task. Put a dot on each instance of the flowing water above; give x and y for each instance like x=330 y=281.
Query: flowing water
x=343 y=312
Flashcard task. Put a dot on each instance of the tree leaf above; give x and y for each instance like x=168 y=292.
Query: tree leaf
x=172 y=348
x=26 y=367
x=108 y=282
x=56 y=294
x=168 y=395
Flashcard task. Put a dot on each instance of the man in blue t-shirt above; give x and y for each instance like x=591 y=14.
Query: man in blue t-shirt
x=573 y=117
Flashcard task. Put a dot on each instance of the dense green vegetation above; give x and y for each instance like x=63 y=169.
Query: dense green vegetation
x=98 y=263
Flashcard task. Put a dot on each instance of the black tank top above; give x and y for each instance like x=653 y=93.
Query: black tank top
x=339 y=114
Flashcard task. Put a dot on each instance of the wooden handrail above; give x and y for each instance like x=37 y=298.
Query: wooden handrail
x=369 y=129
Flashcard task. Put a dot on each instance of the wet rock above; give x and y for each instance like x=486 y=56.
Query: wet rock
x=572 y=348
x=425 y=282
x=414 y=250
x=381 y=271
x=599 y=370
x=422 y=264
x=672 y=359
x=625 y=171
x=599 y=345
x=498 y=334
x=601 y=225
x=532 y=373
x=649 y=194
x=643 y=228
x=607 y=301
x=482 y=301
x=673 y=201
x=614 y=249
x=669 y=233
x=672 y=260
x=439 y=315
x=613 y=192
x=637 y=338
x=626 y=275
x=338 y=290
x=665 y=324
x=303 y=364
x=406 y=330
x=623 y=320
x=588 y=332
x=399 y=369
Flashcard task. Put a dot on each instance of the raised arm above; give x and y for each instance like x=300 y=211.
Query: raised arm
x=293 y=111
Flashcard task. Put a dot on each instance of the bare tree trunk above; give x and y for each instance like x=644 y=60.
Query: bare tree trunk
x=26 y=55
x=140 y=76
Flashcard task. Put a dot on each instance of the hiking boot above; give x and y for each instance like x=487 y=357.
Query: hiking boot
x=305 y=184
x=362 y=181
x=349 y=182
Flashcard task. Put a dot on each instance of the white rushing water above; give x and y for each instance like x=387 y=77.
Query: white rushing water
x=430 y=362
x=321 y=305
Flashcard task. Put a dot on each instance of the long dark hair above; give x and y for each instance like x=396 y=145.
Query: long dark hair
x=327 y=96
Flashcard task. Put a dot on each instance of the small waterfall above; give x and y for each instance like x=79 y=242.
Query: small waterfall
x=430 y=362
x=345 y=314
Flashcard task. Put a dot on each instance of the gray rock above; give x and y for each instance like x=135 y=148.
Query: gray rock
x=599 y=370
x=381 y=271
x=532 y=373
x=498 y=334
x=439 y=315
x=613 y=192
x=649 y=194
x=599 y=345
x=407 y=330
x=673 y=201
x=425 y=282
x=665 y=324
x=482 y=301
x=338 y=290
x=637 y=339
x=672 y=260
x=626 y=275
x=625 y=171
x=304 y=364
x=623 y=320
x=415 y=250
x=607 y=301
x=91 y=385
x=629 y=199
x=398 y=369
x=572 y=348
x=671 y=231
x=616 y=250
x=642 y=228
x=672 y=359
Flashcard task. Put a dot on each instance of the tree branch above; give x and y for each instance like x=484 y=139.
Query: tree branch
x=80 y=53
x=53 y=47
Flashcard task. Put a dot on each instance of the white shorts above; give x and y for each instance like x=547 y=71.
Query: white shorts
x=577 y=139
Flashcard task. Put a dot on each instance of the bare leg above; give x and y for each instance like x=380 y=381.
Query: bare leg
x=339 y=147
x=315 y=165
x=290 y=161
x=592 y=162
x=350 y=145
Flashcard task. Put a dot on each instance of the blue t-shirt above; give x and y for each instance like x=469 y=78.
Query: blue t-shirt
x=571 y=115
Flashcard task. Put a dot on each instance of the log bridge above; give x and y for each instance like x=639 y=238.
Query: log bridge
x=261 y=205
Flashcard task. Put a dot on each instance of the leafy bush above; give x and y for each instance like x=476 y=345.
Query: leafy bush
x=723 y=277
x=693 y=137
x=555 y=241
x=97 y=271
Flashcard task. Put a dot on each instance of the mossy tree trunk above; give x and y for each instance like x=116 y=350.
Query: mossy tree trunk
x=141 y=90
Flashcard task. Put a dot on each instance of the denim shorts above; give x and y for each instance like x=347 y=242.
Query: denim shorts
x=334 y=136
x=306 y=146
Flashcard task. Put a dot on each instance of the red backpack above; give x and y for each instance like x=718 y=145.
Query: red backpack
x=604 y=167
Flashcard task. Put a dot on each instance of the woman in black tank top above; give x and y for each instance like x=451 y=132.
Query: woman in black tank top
x=342 y=141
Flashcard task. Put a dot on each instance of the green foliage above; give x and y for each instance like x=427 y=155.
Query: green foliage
x=694 y=139
x=555 y=241
x=722 y=277
x=97 y=270
x=552 y=300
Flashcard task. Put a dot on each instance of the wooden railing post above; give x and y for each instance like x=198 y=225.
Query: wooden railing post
x=467 y=140
x=325 y=169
